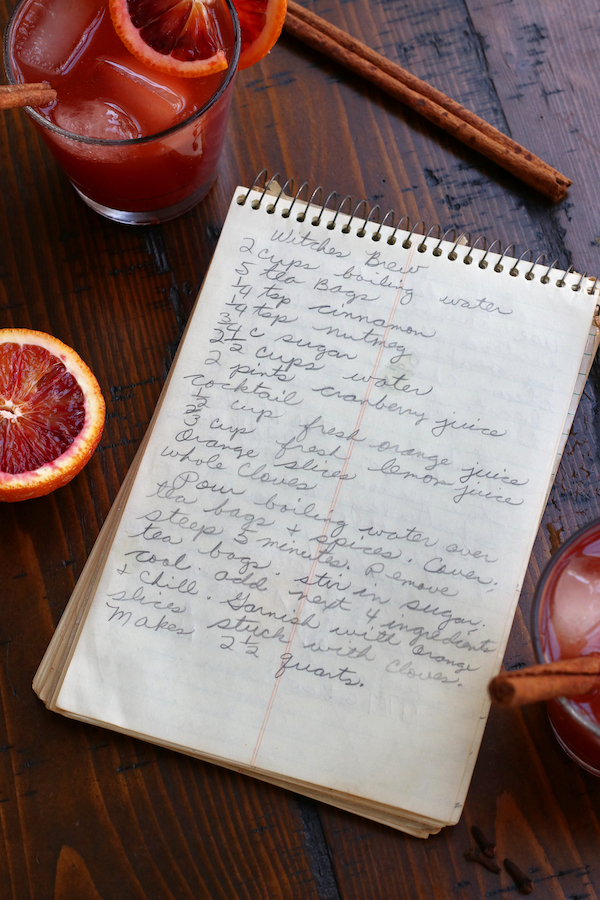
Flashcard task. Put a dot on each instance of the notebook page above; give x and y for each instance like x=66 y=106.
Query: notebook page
x=317 y=567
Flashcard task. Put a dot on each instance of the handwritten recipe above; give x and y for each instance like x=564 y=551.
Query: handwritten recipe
x=315 y=573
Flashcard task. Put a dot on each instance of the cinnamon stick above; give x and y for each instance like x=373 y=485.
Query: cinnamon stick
x=18 y=95
x=563 y=678
x=434 y=105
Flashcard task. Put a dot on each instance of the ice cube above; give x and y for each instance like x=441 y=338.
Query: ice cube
x=50 y=39
x=154 y=104
x=575 y=607
x=97 y=119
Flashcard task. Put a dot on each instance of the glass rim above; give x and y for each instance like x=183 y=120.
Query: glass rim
x=144 y=139
x=539 y=597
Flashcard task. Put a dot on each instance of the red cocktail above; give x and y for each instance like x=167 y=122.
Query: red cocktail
x=566 y=624
x=138 y=145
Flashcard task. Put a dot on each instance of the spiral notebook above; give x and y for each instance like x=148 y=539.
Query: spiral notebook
x=310 y=572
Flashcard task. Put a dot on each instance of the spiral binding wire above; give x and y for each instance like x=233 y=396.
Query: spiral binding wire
x=362 y=221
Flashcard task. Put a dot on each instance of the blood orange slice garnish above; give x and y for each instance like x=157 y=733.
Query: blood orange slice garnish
x=185 y=37
x=51 y=414
x=261 y=22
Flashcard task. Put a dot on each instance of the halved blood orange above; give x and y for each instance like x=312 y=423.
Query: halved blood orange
x=184 y=37
x=51 y=414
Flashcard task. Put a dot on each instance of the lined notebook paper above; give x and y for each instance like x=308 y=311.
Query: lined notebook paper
x=312 y=567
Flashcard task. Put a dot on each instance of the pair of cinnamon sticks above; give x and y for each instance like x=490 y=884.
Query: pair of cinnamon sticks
x=425 y=100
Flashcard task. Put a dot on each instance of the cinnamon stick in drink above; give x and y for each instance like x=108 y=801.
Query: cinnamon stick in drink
x=562 y=678
x=13 y=96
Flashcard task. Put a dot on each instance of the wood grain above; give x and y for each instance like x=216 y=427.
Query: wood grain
x=92 y=815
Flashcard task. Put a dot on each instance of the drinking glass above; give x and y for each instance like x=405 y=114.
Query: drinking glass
x=149 y=179
x=575 y=721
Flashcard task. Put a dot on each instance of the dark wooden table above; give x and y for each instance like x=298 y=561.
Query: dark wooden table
x=86 y=814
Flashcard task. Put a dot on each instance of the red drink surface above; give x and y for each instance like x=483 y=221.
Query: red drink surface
x=104 y=92
x=568 y=625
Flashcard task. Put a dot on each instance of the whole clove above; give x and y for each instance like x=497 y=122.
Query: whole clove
x=522 y=881
x=473 y=854
x=486 y=847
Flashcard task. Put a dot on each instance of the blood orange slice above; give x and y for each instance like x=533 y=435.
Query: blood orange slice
x=51 y=414
x=185 y=37
x=179 y=37
x=261 y=22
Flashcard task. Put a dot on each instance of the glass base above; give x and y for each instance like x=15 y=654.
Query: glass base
x=150 y=217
